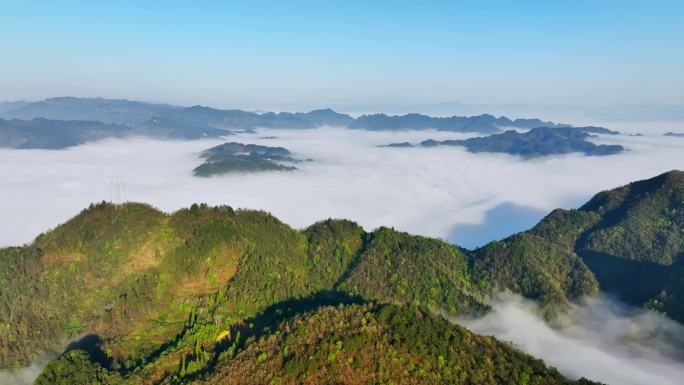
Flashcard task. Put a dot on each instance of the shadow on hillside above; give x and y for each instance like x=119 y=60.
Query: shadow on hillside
x=633 y=282
x=500 y=222
x=265 y=322
x=91 y=344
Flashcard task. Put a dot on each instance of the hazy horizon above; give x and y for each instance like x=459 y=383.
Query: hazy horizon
x=266 y=54
x=628 y=119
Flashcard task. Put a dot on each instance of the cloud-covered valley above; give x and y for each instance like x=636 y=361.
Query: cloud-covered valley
x=599 y=339
x=442 y=192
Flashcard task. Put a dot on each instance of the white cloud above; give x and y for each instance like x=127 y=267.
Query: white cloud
x=429 y=191
x=599 y=339
x=27 y=374
x=422 y=190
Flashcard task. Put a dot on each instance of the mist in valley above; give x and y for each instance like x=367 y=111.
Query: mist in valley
x=597 y=338
x=443 y=192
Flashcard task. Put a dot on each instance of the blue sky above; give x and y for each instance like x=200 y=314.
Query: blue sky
x=278 y=54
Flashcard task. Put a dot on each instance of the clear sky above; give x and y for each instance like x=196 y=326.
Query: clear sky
x=266 y=54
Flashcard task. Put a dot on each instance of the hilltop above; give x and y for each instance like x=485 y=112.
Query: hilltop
x=632 y=238
x=152 y=286
x=216 y=294
x=232 y=157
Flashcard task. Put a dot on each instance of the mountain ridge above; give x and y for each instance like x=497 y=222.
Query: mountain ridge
x=179 y=297
x=121 y=117
x=537 y=142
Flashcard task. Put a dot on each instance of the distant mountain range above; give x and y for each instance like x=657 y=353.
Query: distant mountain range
x=215 y=295
x=55 y=134
x=7 y=106
x=67 y=121
x=118 y=111
x=481 y=123
x=540 y=141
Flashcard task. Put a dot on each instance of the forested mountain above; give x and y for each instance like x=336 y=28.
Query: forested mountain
x=540 y=141
x=344 y=344
x=234 y=157
x=632 y=238
x=226 y=296
x=173 y=296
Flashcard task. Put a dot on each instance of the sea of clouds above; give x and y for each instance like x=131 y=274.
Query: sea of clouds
x=443 y=192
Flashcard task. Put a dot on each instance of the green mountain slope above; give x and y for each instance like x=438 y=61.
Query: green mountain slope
x=346 y=344
x=204 y=292
x=150 y=285
x=642 y=221
x=234 y=157
x=632 y=238
x=536 y=268
x=379 y=344
x=400 y=268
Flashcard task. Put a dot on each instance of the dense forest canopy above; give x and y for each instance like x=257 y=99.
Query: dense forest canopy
x=236 y=296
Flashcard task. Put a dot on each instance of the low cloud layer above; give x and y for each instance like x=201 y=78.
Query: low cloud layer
x=429 y=191
x=599 y=339
x=25 y=375
x=442 y=192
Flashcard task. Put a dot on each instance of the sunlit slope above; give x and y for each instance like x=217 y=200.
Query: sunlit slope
x=149 y=284
x=344 y=344
x=401 y=268
x=182 y=296
x=632 y=238
x=367 y=344
x=534 y=267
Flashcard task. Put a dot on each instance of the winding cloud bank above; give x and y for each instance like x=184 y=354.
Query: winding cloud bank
x=600 y=339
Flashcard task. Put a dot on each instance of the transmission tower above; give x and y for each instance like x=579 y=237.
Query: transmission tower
x=117 y=190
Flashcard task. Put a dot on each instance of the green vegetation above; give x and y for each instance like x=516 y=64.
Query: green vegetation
x=171 y=295
x=343 y=344
x=536 y=268
x=368 y=344
x=642 y=221
x=226 y=296
x=76 y=368
x=244 y=164
x=400 y=268
x=237 y=157
x=632 y=238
